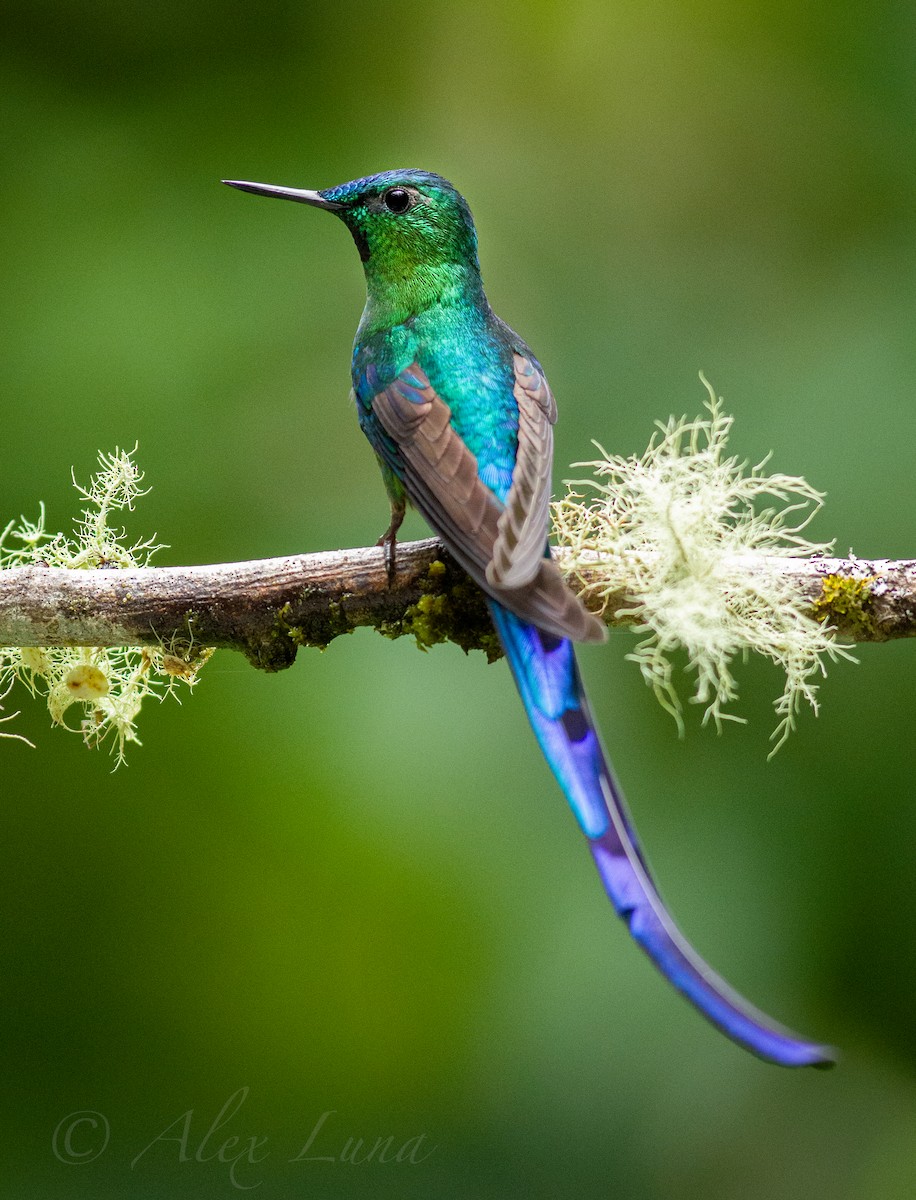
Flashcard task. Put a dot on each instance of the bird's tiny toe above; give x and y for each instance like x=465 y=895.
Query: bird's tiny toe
x=389 y=541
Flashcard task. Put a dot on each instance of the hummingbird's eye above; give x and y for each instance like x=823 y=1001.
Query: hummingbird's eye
x=397 y=200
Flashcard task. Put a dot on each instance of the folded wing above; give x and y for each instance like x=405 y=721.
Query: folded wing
x=441 y=477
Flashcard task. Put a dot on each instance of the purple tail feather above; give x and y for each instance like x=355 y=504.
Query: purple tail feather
x=547 y=677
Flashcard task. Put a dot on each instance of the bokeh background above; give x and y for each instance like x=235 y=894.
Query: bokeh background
x=354 y=886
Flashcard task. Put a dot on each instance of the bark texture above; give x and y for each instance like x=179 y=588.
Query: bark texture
x=268 y=608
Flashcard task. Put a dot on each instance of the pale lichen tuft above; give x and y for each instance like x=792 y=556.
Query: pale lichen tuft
x=684 y=531
x=106 y=687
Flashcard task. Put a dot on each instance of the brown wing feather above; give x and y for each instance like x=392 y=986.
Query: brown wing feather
x=523 y=523
x=440 y=474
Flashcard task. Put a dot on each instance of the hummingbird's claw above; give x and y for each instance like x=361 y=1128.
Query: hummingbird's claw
x=390 y=541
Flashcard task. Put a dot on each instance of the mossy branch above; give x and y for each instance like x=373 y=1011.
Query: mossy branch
x=269 y=607
x=700 y=553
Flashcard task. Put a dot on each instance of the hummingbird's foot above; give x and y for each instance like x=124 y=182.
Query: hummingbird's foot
x=389 y=540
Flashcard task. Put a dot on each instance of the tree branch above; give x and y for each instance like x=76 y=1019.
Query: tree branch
x=270 y=607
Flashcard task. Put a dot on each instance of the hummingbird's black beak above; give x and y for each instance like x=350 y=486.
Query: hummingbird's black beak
x=284 y=193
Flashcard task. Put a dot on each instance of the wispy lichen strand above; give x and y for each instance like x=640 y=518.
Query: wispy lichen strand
x=106 y=687
x=683 y=529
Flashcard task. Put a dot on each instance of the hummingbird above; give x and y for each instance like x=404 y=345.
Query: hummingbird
x=460 y=415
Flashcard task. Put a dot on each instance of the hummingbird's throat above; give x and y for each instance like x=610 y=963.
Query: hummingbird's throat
x=362 y=243
x=394 y=295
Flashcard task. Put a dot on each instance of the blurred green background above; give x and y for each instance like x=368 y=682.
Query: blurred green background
x=354 y=886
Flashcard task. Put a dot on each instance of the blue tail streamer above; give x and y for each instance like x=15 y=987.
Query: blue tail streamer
x=547 y=677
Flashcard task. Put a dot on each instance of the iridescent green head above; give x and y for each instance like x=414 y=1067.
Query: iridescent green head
x=414 y=232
